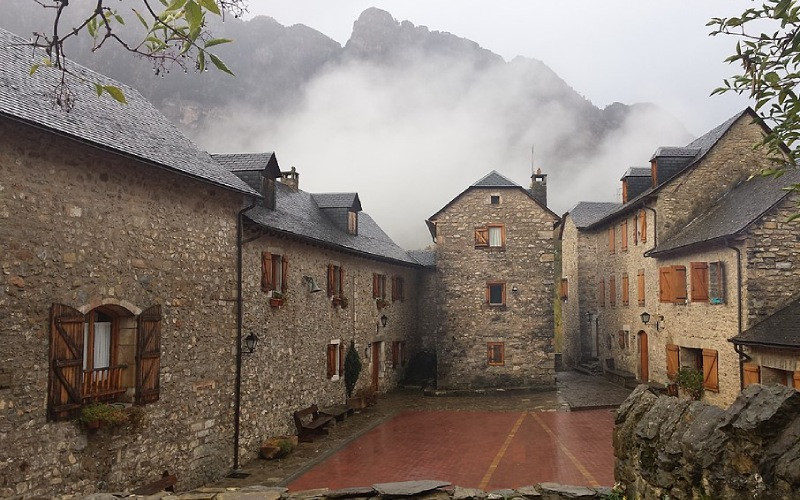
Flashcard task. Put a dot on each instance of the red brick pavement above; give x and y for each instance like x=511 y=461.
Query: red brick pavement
x=489 y=450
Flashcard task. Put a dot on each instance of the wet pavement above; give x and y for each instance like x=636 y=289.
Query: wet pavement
x=491 y=441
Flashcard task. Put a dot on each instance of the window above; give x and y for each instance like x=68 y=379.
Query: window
x=699 y=277
x=623 y=229
x=490 y=236
x=643 y=226
x=601 y=292
x=716 y=283
x=274 y=272
x=612 y=291
x=352 y=222
x=496 y=294
x=640 y=287
x=335 y=359
x=398 y=353
x=672 y=284
x=704 y=360
x=494 y=199
x=335 y=281
x=625 y=290
x=673 y=361
x=611 y=239
x=563 y=291
x=496 y=353
x=101 y=355
x=398 y=289
x=378 y=286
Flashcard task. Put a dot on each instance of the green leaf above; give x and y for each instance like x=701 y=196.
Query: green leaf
x=201 y=61
x=33 y=69
x=217 y=41
x=194 y=15
x=99 y=89
x=116 y=93
x=141 y=19
x=772 y=78
x=119 y=19
x=176 y=4
x=219 y=64
x=211 y=6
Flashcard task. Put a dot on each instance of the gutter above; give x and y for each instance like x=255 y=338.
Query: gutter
x=736 y=347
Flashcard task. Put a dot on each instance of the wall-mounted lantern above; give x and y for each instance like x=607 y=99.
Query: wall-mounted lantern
x=250 y=343
x=384 y=320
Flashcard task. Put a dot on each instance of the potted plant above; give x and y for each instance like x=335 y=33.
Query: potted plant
x=381 y=303
x=96 y=415
x=277 y=299
x=690 y=381
x=352 y=369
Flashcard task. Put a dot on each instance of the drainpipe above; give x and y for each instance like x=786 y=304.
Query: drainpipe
x=736 y=347
x=238 y=385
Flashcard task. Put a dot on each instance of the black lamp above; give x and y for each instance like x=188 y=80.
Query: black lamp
x=645 y=317
x=250 y=343
x=384 y=320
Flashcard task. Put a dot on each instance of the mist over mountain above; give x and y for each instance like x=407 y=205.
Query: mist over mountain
x=405 y=115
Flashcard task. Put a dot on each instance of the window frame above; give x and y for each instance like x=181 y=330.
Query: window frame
x=398 y=289
x=502 y=285
x=625 y=290
x=334 y=356
x=640 y=288
x=491 y=350
x=352 y=222
x=335 y=281
x=378 y=286
x=494 y=199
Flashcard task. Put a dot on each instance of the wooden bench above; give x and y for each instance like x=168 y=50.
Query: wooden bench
x=317 y=426
x=166 y=483
x=339 y=412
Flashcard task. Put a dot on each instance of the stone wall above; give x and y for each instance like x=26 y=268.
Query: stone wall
x=679 y=448
x=288 y=371
x=83 y=227
x=525 y=323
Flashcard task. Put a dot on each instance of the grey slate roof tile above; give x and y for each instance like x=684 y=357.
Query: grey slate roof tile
x=238 y=162
x=297 y=213
x=426 y=258
x=586 y=213
x=337 y=200
x=495 y=179
x=732 y=213
x=637 y=172
x=782 y=329
x=135 y=129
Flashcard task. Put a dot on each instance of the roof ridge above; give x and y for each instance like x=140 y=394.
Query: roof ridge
x=493 y=172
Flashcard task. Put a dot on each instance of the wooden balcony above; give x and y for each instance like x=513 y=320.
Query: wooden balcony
x=102 y=384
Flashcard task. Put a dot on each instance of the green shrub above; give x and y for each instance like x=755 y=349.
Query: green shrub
x=103 y=413
x=352 y=368
x=691 y=381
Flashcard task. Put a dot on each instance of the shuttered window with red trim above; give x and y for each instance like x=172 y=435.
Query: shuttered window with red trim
x=643 y=226
x=267 y=283
x=623 y=230
x=796 y=380
x=710 y=370
x=332 y=356
x=673 y=361
x=148 y=355
x=672 y=284
x=625 y=290
x=699 y=280
x=481 y=237
x=496 y=353
x=398 y=289
x=640 y=295
x=66 y=361
x=612 y=291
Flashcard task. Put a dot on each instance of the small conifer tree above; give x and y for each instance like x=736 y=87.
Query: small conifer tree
x=352 y=368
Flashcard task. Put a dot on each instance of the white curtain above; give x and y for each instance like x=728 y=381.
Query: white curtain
x=494 y=237
x=102 y=344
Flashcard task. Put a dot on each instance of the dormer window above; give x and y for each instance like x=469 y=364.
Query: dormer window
x=494 y=199
x=352 y=222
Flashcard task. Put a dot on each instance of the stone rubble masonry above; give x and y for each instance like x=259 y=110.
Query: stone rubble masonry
x=83 y=227
x=525 y=324
x=666 y=446
x=288 y=371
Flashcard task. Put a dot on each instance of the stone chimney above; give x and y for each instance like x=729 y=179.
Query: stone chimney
x=291 y=179
x=539 y=186
x=268 y=192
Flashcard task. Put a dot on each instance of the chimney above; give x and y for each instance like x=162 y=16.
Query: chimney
x=539 y=186
x=268 y=192
x=291 y=179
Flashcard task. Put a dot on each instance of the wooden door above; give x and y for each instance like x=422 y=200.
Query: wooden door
x=376 y=360
x=644 y=372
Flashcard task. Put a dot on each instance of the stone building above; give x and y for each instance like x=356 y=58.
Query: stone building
x=318 y=272
x=494 y=282
x=704 y=251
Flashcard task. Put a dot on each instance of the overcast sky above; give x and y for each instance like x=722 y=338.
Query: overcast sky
x=610 y=50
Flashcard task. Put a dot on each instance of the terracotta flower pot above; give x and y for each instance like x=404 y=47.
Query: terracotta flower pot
x=275 y=302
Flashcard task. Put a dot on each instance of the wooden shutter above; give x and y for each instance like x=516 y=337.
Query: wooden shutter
x=751 y=374
x=488 y=293
x=716 y=279
x=564 y=289
x=148 y=355
x=796 y=380
x=601 y=291
x=332 y=360
x=635 y=228
x=341 y=281
x=665 y=284
x=710 y=370
x=623 y=228
x=285 y=274
x=481 y=237
x=612 y=291
x=679 y=284
x=643 y=226
x=66 y=361
x=640 y=287
x=376 y=287
x=699 y=274
x=266 y=272
x=341 y=360
x=331 y=281
x=625 y=290
x=673 y=360
x=611 y=239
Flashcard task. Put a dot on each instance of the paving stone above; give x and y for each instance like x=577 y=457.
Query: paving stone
x=460 y=493
x=567 y=491
x=351 y=492
x=408 y=488
x=265 y=489
x=316 y=493
x=504 y=493
x=247 y=495
x=529 y=492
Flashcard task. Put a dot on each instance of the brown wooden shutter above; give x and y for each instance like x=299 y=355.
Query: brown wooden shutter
x=673 y=360
x=716 y=279
x=796 y=380
x=66 y=361
x=640 y=287
x=503 y=289
x=341 y=281
x=665 y=284
x=623 y=228
x=710 y=370
x=751 y=374
x=563 y=292
x=643 y=224
x=635 y=228
x=148 y=355
x=611 y=239
x=266 y=272
x=332 y=360
x=481 y=237
x=331 y=281
x=341 y=360
x=285 y=274
x=601 y=291
x=488 y=293
x=612 y=291
x=699 y=274
x=679 y=284
x=376 y=287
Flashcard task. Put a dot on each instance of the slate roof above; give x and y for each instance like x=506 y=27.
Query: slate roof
x=495 y=179
x=688 y=152
x=732 y=213
x=637 y=172
x=297 y=213
x=425 y=258
x=782 y=329
x=702 y=144
x=134 y=130
x=337 y=200
x=586 y=213
x=244 y=161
